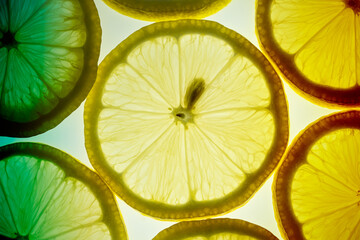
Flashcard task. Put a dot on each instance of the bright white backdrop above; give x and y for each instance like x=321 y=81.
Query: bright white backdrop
x=239 y=15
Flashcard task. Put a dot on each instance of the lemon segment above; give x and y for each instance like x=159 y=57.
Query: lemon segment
x=183 y=120
x=41 y=200
x=332 y=163
x=337 y=40
x=301 y=20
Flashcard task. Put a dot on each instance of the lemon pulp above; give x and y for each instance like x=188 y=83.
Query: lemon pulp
x=183 y=121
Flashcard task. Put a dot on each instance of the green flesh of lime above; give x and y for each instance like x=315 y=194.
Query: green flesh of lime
x=41 y=55
x=38 y=200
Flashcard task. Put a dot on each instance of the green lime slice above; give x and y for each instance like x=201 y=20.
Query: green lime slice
x=46 y=194
x=49 y=53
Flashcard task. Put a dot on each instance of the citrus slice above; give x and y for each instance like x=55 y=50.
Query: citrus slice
x=48 y=62
x=315 y=46
x=160 y=10
x=317 y=186
x=215 y=229
x=47 y=194
x=186 y=119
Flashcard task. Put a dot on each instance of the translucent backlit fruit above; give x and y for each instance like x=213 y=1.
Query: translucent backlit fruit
x=317 y=186
x=215 y=229
x=186 y=119
x=315 y=46
x=48 y=62
x=46 y=194
x=160 y=10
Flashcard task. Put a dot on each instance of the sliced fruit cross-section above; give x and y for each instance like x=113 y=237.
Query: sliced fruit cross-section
x=215 y=229
x=186 y=119
x=46 y=194
x=48 y=62
x=160 y=10
x=317 y=187
x=315 y=44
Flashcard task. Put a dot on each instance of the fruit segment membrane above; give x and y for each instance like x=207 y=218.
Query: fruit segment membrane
x=325 y=188
x=41 y=55
x=39 y=201
x=163 y=158
x=321 y=37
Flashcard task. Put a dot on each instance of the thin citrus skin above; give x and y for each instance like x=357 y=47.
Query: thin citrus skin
x=167 y=10
x=295 y=156
x=72 y=101
x=209 y=228
x=319 y=93
x=74 y=169
x=193 y=209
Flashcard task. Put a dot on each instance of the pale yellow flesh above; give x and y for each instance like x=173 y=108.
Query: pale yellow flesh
x=40 y=201
x=321 y=37
x=325 y=190
x=159 y=158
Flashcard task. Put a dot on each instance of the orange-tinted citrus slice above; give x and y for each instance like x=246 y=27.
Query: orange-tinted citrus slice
x=317 y=186
x=48 y=62
x=47 y=194
x=186 y=119
x=215 y=229
x=160 y=10
x=315 y=45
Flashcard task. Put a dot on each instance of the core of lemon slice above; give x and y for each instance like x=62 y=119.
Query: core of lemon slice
x=186 y=119
x=315 y=44
x=160 y=10
x=46 y=194
x=317 y=186
x=215 y=229
x=48 y=62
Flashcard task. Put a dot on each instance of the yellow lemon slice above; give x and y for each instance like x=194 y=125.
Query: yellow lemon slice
x=48 y=62
x=186 y=119
x=160 y=10
x=315 y=44
x=215 y=229
x=46 y=194
x=317 y=186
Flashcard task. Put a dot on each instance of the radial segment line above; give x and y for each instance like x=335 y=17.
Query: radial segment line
x=228 y=63
x=329 y=213
x=72 y=229
x=45 y=207
x=37 y=73
x=235 y=109
x=7 y=201
x=191 y=191
x=329 y=176
x=357 y=226
x=142 y=76
x=133 y=111
x=220 y=149
x=137 y=159
x=50 y=45
x=317 y=33
x=31 y=16
x=180 y=71
x=4 y=79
